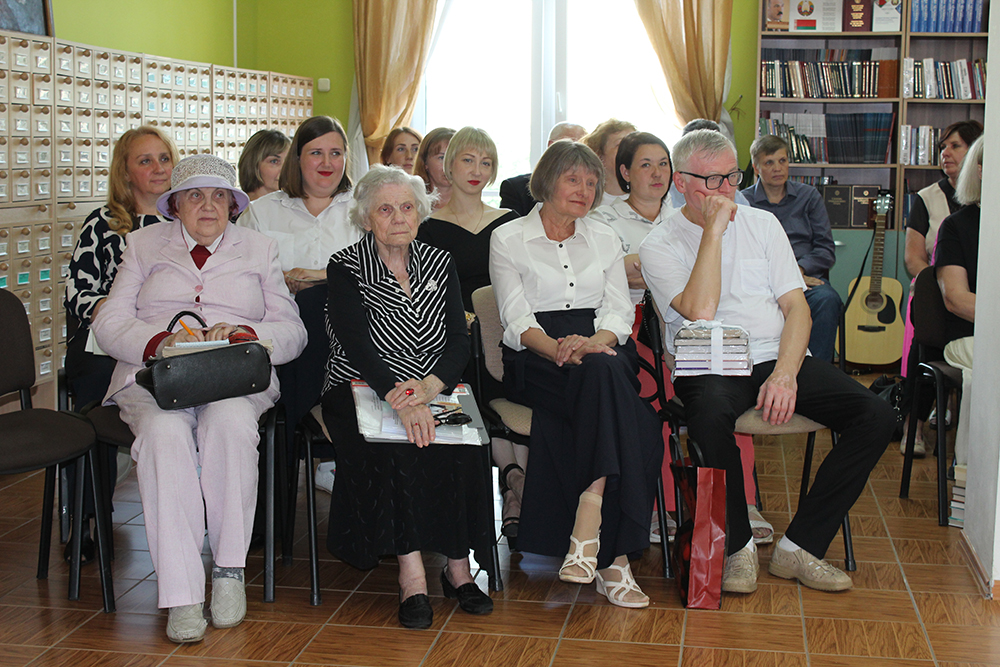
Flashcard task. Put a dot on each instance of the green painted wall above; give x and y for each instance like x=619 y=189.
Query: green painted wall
x=198 y=30
x=314 y=39
x=744 y=49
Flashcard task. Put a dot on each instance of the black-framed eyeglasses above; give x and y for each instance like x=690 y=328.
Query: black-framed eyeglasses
x=714 y=181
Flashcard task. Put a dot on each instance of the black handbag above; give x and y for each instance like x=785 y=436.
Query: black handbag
x=893 y=390
x=209 y=375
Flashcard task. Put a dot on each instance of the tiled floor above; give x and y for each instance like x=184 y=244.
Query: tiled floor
x=914 y=602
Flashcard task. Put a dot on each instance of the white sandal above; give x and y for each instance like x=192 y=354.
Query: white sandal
x=758 y=521
x=654 y=528
x=586 y=563
x=616 y=591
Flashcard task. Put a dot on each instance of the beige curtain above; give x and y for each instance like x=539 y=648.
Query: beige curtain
x=391 y=40
x=691 y=39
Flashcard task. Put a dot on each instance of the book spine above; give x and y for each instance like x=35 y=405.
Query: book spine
x=908 y=78
x=949 y=16
x=961 y=66
x=960 y=6
x=934 y=16
x=977 y=21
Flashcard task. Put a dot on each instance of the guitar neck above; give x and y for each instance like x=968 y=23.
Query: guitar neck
x=878 y=254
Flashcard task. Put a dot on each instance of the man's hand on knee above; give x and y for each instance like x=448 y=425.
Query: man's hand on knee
x=777 y=398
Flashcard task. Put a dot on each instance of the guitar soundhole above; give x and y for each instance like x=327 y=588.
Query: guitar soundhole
x=874 y=301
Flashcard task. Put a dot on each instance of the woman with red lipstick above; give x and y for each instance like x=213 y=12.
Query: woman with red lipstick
x=930 y=207
x=596 y=446
x=430 y=163
x=463 y=227
x=141 y=164
x=644 y=172
x=308 y=219
x=400 y=148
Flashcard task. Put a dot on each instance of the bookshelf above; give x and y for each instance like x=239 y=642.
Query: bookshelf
x=888 y=173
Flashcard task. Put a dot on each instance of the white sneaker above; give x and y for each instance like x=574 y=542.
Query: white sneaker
x=325 y=473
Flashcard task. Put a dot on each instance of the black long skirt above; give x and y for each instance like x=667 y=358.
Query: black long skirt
x=392 y=499
x=588 y=422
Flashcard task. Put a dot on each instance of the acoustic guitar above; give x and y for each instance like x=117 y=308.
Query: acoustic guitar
x=874 y=323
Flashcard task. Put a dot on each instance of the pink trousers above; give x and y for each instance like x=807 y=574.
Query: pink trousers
x=169 y=447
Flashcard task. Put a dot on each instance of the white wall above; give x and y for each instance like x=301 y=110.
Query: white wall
x=982 y=519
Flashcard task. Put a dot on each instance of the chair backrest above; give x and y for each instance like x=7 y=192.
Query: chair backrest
x=484 y=304
x=928 y=312
x=18 y=368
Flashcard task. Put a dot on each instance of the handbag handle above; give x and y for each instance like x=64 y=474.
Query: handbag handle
x=181 y=314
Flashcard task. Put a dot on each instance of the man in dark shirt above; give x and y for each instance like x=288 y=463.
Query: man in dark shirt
x=514 y=192
x=802 y=214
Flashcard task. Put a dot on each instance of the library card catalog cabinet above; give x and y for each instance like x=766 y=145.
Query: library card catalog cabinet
x=62 y=105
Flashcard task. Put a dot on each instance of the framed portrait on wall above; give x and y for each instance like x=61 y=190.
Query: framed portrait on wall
x=30 y=16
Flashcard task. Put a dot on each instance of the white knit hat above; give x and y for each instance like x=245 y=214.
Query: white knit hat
x=202 y=171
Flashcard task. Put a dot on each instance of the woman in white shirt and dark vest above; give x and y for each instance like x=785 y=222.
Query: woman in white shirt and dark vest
x=596 y=447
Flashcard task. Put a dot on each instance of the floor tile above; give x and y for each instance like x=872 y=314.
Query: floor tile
x=854 y=661
x=713 y=629
x=57 y=657
x=878 y=576
x=129 y=633
x=768 y=599
x=39 y=626
x=575 y=653
x=461 y=649
x=188 y=661
x=367 y=647
x=930 y=552
x=720 y=657
x=17 y=656
x=866 y=638
x=957 y=609
x=860 y=605
x=253 y=640
x=940 y=578
x=614 y=624
x=534 y=619
x=958 y=644
x=536 y=587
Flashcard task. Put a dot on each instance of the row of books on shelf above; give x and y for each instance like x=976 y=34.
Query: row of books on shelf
x=946 y=16
x=817 y=181
x=957 y=517
x=829 y=79
x=944 y=80
x=833 y=15
x=835 y=138
x=918 y=144
x=832 y=55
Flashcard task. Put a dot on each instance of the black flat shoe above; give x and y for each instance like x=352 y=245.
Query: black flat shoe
x=470 y=598
x=415 y=611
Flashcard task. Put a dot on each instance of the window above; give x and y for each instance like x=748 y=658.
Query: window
x=517 y=67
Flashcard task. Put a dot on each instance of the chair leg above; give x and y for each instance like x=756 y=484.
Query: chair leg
x=64 y=516
x=102 y=526
x=315 y=598
x=292 y=490
x=806 y=467
x=756 y=493
x=662 y=516
x=45 y=541
x=269 y=428
x=944 y=508
x=850 y=564
x=77 y=540
x=493 y=567
x=911 y=439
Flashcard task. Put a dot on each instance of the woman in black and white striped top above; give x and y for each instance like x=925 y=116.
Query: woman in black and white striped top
x=396 y=320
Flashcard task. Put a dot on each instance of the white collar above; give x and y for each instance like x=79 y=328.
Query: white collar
x=191 y=243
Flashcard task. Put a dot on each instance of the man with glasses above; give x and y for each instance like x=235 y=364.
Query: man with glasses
x=716 y=260
x=802 y=213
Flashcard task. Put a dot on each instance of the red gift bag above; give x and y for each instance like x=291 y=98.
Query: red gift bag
x=699 y=554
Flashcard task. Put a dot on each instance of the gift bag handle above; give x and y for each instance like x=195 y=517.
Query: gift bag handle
x=181 y=314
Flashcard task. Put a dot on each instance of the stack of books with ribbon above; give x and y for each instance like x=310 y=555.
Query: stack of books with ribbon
x=712 y=348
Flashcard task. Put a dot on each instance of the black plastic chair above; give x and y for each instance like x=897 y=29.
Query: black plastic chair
x=39 y=438
x=928 y=314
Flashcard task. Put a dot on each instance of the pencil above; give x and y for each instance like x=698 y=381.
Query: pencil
x=186 y=327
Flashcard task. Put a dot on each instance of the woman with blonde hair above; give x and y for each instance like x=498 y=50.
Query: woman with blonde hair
x=463 y=227
x=141 y=164
x=400 y=148
x=430 y=163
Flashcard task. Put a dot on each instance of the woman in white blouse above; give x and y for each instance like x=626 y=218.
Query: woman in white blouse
x=596 y=447
x=308 y=219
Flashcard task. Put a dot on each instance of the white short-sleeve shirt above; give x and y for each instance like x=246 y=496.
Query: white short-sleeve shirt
x=531 y=274
x=304 y=241
x=758 y=266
